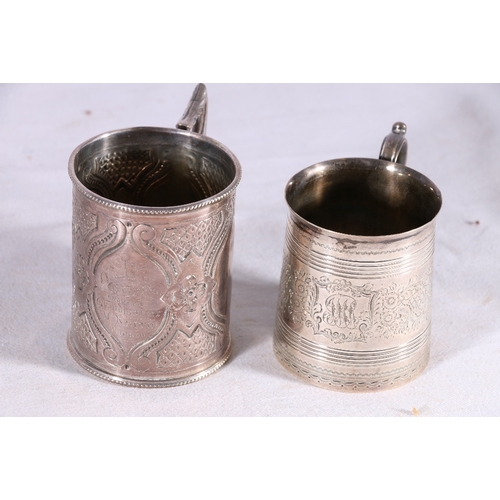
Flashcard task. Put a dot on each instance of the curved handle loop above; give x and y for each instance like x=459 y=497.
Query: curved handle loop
x=194 y=118
x=395 y=146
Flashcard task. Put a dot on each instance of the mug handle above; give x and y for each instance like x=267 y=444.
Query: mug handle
x=194 y=118
x=395 y=146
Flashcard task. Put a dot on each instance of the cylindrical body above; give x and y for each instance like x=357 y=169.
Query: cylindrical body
x=152 y=237
x=354 y=311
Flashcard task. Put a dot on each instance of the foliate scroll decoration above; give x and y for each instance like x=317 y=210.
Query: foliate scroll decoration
x=151 y=297
x=187 y=298
x=298 y=297
x=193 y=336
x=403 y=307
x=194 y=297
x=344 y=312
x=105 y=242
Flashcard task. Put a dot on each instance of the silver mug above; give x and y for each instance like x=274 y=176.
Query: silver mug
x=354 y=312
x=152 y=238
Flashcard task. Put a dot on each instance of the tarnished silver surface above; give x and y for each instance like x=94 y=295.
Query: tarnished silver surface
x=152 y=238
x=354 y=311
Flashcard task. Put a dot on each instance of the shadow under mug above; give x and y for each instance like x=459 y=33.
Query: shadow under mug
x=354 y=309
x=152 y=240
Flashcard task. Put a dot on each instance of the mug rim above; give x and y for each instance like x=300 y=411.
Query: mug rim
x=139 y=209
x=364 y=163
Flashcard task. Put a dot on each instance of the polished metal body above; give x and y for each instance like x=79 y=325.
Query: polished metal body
x=152 y=238
x=354 y=310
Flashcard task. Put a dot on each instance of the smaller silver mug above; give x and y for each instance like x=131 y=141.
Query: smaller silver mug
x=152 y=238
x=354 y=310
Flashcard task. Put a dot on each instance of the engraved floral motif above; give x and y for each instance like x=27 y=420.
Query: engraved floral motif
x=343 y=312
x=298 y=295
x=402 y=307
x=189 y=294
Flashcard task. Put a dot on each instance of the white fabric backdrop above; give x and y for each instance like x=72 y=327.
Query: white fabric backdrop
x=275 y=131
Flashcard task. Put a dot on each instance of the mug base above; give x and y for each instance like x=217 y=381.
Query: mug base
x=148 y=383
x=344 y=382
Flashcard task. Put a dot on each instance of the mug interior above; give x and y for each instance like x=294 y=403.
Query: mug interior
x=154 y=167
x=363 y=197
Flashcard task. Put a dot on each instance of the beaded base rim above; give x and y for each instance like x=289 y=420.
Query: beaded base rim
x=147 y=384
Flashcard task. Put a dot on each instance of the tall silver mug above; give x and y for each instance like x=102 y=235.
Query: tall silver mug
x=354 y=311
x=152 y=238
